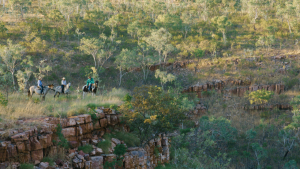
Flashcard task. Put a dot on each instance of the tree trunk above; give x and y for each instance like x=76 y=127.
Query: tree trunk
x=120 y=76
x=289 y=26
x=94 y=56
x=224 y=37
x=12 y=73
x=159 y=53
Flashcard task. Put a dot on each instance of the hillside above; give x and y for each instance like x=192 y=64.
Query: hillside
x=220 y=77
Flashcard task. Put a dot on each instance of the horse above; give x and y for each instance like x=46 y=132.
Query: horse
x=58 y=90
x=37 y=90
x=94 y=88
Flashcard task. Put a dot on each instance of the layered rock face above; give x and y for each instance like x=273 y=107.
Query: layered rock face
x=242 y=87
x=34 y=144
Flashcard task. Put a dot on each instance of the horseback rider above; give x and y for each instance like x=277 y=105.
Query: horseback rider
x=40 y=84
x=89 y=83
x=63 y=84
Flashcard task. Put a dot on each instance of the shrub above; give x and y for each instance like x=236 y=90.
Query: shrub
x=92 y=105
x=120 y=150
x=289 y=83
x=260 y=96
x=63 y=141
x=130 y=139
x=49 y=160
x=105 y=145
x=86 y=149
x=26 y=166
x=3 y=100
x=127 y=98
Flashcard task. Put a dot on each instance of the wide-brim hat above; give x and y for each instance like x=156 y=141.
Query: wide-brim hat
x=63 y=78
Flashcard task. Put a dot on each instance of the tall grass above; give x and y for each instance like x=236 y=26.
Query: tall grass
x=20 y=106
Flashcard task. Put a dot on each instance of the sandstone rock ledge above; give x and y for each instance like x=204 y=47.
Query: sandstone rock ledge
x=31 y=146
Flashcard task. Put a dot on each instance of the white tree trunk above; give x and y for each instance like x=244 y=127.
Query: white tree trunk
x=224 y=37
x=120 y=76
x=290 y=29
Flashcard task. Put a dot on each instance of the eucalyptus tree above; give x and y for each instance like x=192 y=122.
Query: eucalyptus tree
x=222 y=24
x=287 y=13
x=91 y=46
x=159 y=39
x=137 y=29
x=112 y=23
x=3 y=29
x=125 y=61
x=144 y=59
x=24 y=75
x=20 y=6
x=169 y=22
x=97 y=17
x=11 y=55
x=255 y=9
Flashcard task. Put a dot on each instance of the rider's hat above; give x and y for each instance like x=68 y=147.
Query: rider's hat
x=64 y=78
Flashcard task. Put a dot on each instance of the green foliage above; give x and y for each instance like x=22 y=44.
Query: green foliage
x=198 y=53
x=26 y=166
x=3 y=100
x=63 y=141
x=260 y=96
x=120 y=150
x=290 y=82
x=49 y=160
x=130 y=139
x=86 y=149
x=292 y=164
x=127 y=98
x=220 y=128
x=105 y=145
x=164 y=77
x=152 y=110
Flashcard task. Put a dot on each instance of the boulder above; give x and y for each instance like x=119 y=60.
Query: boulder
x=20 y=147
x=103 y=122
x=98 y=151
x=114 y=119
x=96 y=125
x=69 y=132
x=36 y=155
x=100 y=113
x=116 y=141
x=87 y=118
x=44 y=165
x=3 y=154
x=35 y=144
x=97 y=162
x=19 y=137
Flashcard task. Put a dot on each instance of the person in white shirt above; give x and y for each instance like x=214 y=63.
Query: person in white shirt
x=63 y=84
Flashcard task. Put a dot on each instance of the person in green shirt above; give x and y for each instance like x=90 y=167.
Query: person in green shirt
x=89 y=83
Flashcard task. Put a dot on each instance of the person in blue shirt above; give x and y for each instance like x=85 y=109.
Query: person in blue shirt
x=40 y=84
x=63 y=84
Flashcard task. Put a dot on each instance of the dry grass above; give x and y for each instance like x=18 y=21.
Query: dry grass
x=21 y=107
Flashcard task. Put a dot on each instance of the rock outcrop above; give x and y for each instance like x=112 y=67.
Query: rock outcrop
x=239 y=90
x=34 y=144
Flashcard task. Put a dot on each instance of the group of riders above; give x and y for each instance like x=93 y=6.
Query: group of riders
x=89 y=84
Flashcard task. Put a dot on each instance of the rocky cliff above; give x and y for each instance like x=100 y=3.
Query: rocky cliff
x=24 y=146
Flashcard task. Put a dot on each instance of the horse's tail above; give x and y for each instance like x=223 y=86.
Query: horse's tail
x=28 y=92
